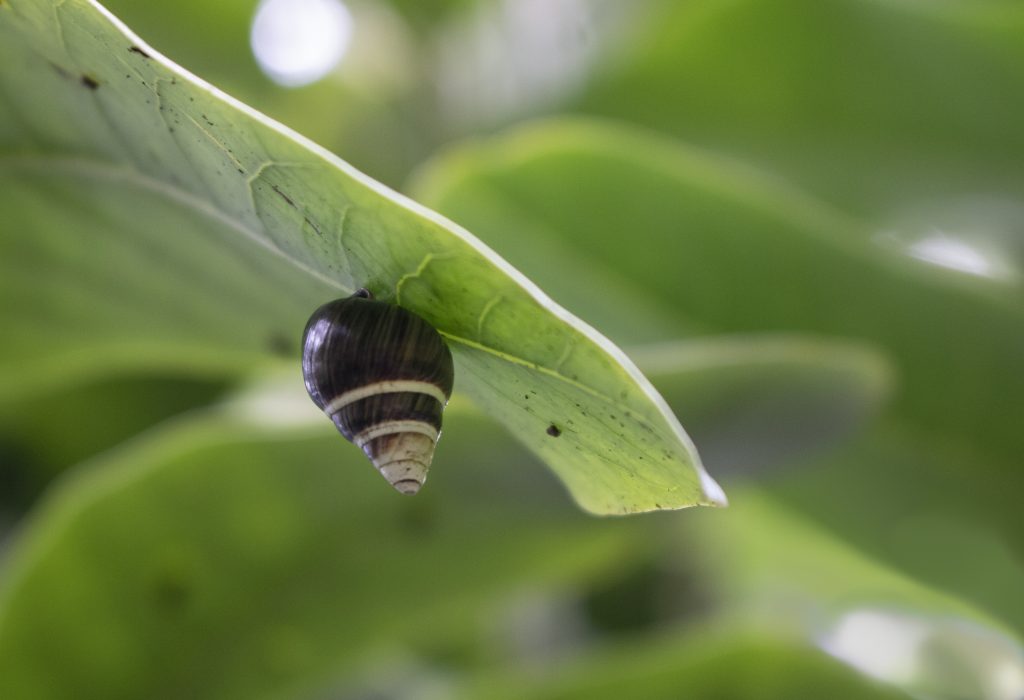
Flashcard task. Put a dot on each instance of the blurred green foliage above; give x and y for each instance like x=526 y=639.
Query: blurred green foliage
x=801 y=216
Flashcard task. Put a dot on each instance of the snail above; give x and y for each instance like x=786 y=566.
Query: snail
x=384 y=376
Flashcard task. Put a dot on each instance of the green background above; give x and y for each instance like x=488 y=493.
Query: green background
x=737 y=193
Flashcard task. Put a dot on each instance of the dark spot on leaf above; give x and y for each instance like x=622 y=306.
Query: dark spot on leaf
x=283 y=195
x=526 y=396
x=90 y=82
x=136 y=49
x=312 y=225
x=553 y=430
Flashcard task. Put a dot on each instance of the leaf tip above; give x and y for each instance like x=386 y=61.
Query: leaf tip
x=712 y=491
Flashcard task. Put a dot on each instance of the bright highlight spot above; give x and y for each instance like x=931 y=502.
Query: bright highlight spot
x=1008 y=679
x=930 y=657
x=976 y=235
x=276 y=401
x=297 y=42
x=878 y=644
x=955 y=254
x=512 y=58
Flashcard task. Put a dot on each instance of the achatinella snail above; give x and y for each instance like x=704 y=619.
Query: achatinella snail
x=384 y=376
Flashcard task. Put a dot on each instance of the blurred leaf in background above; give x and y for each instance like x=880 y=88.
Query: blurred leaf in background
x=802 y=219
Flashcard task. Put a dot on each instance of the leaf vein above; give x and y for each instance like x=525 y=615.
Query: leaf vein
x=488 y=307
x=227 y=152
x=429 y=258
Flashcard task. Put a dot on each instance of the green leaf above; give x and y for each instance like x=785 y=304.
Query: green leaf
x=237 y=553
x=707 y=663
x=781 y=567
x=943 y=641
x=194 y=231
x=939 y=512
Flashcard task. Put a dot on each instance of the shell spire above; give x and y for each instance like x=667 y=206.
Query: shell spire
x=383 y=375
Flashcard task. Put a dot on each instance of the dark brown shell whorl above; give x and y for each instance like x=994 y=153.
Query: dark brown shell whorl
x=384 y=376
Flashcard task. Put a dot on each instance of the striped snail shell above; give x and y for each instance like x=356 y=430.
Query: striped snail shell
x=383 y=375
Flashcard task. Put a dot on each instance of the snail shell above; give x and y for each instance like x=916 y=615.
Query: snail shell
x=384 y=376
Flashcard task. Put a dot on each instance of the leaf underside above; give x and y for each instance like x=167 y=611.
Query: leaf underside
x=88 y=109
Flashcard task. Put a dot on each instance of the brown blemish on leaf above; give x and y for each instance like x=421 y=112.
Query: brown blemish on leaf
x=90 y=82
x=136 y=49
x=312 y=225
x=283 y=195
x=553 y=430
